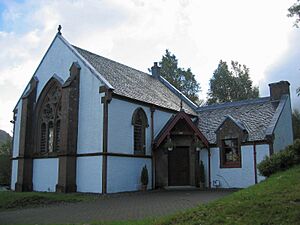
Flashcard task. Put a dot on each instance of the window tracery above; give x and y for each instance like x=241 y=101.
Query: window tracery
x=49 y=122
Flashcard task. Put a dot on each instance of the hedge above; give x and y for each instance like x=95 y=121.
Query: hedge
x=281 y=160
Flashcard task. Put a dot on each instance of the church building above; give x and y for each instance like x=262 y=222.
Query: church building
x=85 y=123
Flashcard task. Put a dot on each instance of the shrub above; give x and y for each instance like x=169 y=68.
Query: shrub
x=201 y=172
x=144 y=176
x=296 y=149
x=5 y=164
x=281 y=160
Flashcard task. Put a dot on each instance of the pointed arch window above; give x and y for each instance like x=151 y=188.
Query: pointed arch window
x=140 y=123
x=49 y=119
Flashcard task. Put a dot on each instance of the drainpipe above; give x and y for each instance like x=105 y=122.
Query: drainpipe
x=105 y=100
x=12 y=143
x=209 y=169
x=270 y=140
x=255 y=162
x=152 y=109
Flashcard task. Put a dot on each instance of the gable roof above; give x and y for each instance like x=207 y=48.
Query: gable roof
x=135 y=84
x=257 y=116
x=238 y=123
x=171 y=124
x=126 y=81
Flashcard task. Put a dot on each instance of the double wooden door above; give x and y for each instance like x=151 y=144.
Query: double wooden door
x=179 y=167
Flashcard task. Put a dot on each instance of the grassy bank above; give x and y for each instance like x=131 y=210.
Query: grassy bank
x=274 y=201
x=13 y=200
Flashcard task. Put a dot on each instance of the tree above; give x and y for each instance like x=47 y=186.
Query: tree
x=231 y=85
x=296 y=124
x=5 y=164
x=184 y=80
x=294 y=10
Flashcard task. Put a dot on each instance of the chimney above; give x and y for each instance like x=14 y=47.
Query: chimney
x=155 y=70
x=278 y=89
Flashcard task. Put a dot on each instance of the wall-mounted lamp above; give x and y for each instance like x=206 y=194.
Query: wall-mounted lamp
x=198 y=144
x=169 y=144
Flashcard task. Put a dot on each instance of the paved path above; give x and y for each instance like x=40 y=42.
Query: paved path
x=113 y=207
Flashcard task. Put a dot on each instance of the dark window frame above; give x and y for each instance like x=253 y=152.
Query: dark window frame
x=224 y=148
x=140 y=123
x=49 y=119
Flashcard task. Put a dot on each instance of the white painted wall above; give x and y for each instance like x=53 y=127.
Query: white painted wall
x=16 y=134
x=89 y=174
x=119 y=125
x=160 y=119
x=261 y=152
x=233 y=177
x=58 y=60
x=283 y=130
x=124 y=173
x=90 y=118
x=45 y=174
x=14 y=174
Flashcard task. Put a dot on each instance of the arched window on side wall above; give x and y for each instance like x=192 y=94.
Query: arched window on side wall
x=49 y=117
x=139 y=122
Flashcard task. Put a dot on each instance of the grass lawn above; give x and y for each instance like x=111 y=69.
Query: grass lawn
x=11 y=200
x=273 y=201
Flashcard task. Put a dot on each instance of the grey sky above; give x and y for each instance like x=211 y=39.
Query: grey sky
x=136 y=33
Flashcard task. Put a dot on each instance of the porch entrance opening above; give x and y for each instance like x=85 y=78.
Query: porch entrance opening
x=178 y=160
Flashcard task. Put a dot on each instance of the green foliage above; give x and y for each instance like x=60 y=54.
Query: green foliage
x=184 y=80
x=280 y=161
x=202 y=172
x=11 y=200
x=5 y=164
x=231 y=85
x=296 y=124
x=144 y=176
x=294 y=11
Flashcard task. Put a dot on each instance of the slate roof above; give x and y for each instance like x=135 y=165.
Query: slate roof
x=256 y=116
x=134 y=84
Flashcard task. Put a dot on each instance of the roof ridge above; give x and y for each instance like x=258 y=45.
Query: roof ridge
x=233 y=104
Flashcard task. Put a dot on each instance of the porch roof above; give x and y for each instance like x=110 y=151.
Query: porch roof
x=171 y=124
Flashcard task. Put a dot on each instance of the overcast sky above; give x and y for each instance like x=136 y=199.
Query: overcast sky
x=200 y=33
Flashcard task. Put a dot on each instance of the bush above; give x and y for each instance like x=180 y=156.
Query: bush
x=5 y=164
x=281 y=160
x=144 y=176
x=202 y=172
x=296 y=149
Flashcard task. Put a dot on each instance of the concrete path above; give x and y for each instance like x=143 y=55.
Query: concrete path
x=126 y=206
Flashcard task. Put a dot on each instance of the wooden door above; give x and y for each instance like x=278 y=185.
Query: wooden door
x=179 y=167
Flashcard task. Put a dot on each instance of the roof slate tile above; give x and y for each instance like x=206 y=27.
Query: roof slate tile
x=255 y=115
x=134 y=84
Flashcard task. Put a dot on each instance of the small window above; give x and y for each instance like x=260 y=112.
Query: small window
x=139 y=122
x=230 y=153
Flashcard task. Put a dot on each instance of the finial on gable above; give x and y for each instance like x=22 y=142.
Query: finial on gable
x=59 y=29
